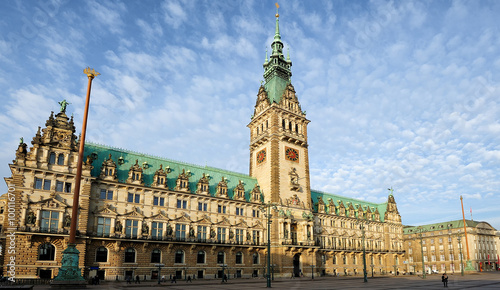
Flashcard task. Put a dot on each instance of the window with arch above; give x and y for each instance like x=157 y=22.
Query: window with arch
x=52 y=158
x=179 y=257
x=255 y=258
x=200 y=258
x=46 y=252
x=130 y=255
x=221 y=257
x=101 y=254
x=156 y=256
x=239 y=258
x=60 y=159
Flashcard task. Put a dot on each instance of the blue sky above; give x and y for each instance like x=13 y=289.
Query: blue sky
x=399 y=93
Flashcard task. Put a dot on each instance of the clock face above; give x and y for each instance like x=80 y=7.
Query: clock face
x=261 y=156
x=291 y=154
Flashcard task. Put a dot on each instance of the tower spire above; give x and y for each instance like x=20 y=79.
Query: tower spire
x=277 y=71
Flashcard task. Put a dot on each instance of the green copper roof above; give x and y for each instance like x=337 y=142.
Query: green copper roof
x=440 y=226
x=277 y=72
x=153 y=163
x=315 y=194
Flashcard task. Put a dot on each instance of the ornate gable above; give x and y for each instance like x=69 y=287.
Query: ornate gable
x=222 y=188
x=203 y=187
x=290 y=101
x=183 y=218
x=321 y=205
x=331 y=206
x=160 y=178
x=135 y=174
x=258 y=225
x=108 y=169
x=182 y=182
x=239 y=191
x=224 y=222
x=49 y=204
x=341 y=208
x=205 y=220
x=242 y=223
x=262 y=101
x=255 y=194
x=133 y=214
x=159 y=216
x=106 y=210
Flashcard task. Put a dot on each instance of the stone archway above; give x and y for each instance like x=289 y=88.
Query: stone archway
x=296 y=265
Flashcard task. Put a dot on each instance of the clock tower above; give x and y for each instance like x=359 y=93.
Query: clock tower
x=278 y=134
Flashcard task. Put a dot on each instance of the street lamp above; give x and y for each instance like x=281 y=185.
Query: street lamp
x=420 y=230
x=372 y=268
x=362 y=226
x=312 y=272
x=459 y=239
x=266 y=209
x=159 y=271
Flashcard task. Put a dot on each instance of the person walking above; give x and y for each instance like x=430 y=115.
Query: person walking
x=189 y=279
x=444 y=279
x=137 y=280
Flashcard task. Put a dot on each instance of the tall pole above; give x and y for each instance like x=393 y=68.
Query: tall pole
x=364 y=253
x=459 y=238
x=69 y=274
x=422 y=250
x=268 y=246
x=465 y=228
x=76 y=195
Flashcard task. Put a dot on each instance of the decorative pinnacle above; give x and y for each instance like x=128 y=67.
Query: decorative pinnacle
x=277 y=7
x=91 y=73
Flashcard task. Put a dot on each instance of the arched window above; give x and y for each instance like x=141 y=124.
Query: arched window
x=101 y=254
x=283 y=124
x=255 y=258
x=130 y=255
x=220 y=258
x=52 y=158
x=200 y=258
x=46 y=252
x=156 y=256
x=60 y=159
x=239 y=258
x=179 y=257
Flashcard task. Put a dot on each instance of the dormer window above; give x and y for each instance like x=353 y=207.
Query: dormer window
x=222 y=188
x=135 y=173
x=108 y=170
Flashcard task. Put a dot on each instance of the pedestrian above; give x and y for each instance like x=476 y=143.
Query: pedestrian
x=163 y=278
x=189 y=279
x=137 y=280
x=174 y=279
x=444 y=279
x=291 y=276
x=96 y=280
x=225 y=278
x=129 y=279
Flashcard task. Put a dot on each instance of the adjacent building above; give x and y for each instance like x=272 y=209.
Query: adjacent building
x=139 y=210
x=445 y=247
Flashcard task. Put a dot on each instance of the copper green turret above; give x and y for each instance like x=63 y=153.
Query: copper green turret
x=277 y=71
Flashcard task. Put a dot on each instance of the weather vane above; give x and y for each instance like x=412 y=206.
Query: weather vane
x=90 y=72
x=277 y=7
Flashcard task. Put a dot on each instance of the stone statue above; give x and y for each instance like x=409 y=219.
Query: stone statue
x=63 y=104
x=249 y=236
x=30 y=218
x=191 y=232
x=145 y=229
x=67 y=221
x=118 y=227
x=212 y=234
x=21 y=140
x=231 y=235
x=169 y=230
x=286 y=234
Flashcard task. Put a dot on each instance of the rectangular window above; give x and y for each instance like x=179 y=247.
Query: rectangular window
x=180 y=231
x=221 y=234
x=221 y=209
x=67 y=187
x=239 y=211
x=157 y=230
x=46 y=184
x=202 y=232
x=59 y=186
x=159 y=201
x=103 y=226
x=38 y=183
x=106 y=194
x=131 y=228
x=49 y=221
x=256 y=237
x=136 y=198
x=255 y=213
x=239 y=236
x=202 y=206
x=181 y=204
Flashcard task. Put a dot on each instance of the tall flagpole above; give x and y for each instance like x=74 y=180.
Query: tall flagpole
x=469 y=262
x=69 y=274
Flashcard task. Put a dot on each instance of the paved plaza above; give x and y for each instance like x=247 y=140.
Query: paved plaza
x=489 y=280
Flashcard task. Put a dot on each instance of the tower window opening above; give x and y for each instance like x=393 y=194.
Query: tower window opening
x=290 y=126
x=296 y=128
x=283 y=124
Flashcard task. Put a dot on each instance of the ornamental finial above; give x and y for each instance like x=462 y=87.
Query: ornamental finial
x=277 y=7
x=90 y=72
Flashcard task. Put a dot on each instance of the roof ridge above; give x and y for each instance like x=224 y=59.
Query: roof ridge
x=356 y=199
x=168 y=159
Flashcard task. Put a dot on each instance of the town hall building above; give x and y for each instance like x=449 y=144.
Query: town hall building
x=138 y=211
